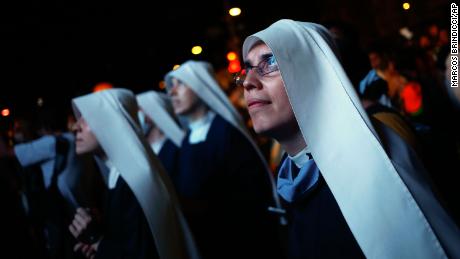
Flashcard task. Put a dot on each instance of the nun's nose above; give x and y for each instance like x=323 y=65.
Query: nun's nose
x=172 y=90
x=76 y=126
x=251 y=81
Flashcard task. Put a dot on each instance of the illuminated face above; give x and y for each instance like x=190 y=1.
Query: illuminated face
x=86 y=141
x=265 y=95
x=184 y=100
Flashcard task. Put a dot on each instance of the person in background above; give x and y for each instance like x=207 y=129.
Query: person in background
x=225 y=186
x=142 y=218
x=161 y=128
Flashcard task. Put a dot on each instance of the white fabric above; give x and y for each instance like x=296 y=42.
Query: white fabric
x=43 y=151
x=112 y=117
x=391 y=213
x=159 y=108
x=199 y=76
x=199 y=129
x=113 y=175
x=157 y=145
x=301 y=158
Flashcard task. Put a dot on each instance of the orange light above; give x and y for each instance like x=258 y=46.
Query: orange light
x=102 y=86
x=162 y=85
x=5 y=112
x=232 y=56
x=234 y=66
x=412 y=98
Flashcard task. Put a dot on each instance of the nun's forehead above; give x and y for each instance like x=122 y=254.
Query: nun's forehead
x=174 y=78
x=169 y=80
x=257 y=45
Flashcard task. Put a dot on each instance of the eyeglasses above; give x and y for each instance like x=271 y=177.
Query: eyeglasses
x=267 y=65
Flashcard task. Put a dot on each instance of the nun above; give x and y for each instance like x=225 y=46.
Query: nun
x=225 y=186
x=161 y=128
x=142 y=217
x=353 y=187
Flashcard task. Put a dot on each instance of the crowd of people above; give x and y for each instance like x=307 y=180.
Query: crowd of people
x=361 y=158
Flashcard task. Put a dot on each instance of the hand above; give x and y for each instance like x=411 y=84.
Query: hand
x=80 y=222
x=88 y=251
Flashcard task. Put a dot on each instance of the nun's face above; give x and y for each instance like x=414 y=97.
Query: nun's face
x=265 y=96
x=85 y=139
x=184 y=100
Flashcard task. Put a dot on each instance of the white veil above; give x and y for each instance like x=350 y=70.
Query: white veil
x=391 y=212
x=112 y=117
x=159 y=108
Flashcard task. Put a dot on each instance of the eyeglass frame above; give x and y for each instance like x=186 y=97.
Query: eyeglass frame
x=240 y=77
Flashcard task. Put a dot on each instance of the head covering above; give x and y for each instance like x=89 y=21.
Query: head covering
x=159 y=108
x=199 y=76
x=112 y=117
x=389 y=208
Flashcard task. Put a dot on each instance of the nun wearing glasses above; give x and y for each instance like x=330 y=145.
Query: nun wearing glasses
x=352 y=186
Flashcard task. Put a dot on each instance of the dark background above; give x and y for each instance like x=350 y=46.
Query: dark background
x=60 y=49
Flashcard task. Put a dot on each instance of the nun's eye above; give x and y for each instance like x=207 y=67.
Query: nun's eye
x=271 y=61
x=268 y=65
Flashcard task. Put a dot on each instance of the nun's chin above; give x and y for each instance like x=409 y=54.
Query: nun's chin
x=81 y=150
x=179 y=111
x=262 y=125
x=260 y=130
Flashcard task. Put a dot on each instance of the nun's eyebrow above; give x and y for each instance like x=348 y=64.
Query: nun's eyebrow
x=261 y=58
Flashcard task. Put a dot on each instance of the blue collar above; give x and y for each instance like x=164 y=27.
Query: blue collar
x=293 y=182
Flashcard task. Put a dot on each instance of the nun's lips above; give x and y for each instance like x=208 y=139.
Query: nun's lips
x=176 y=104
x=175 y=101
x=256 y=102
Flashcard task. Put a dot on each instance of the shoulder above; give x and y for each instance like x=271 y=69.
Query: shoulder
x=220 y=123
x=221 y=131
x=170 y=145
x=168 y=148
